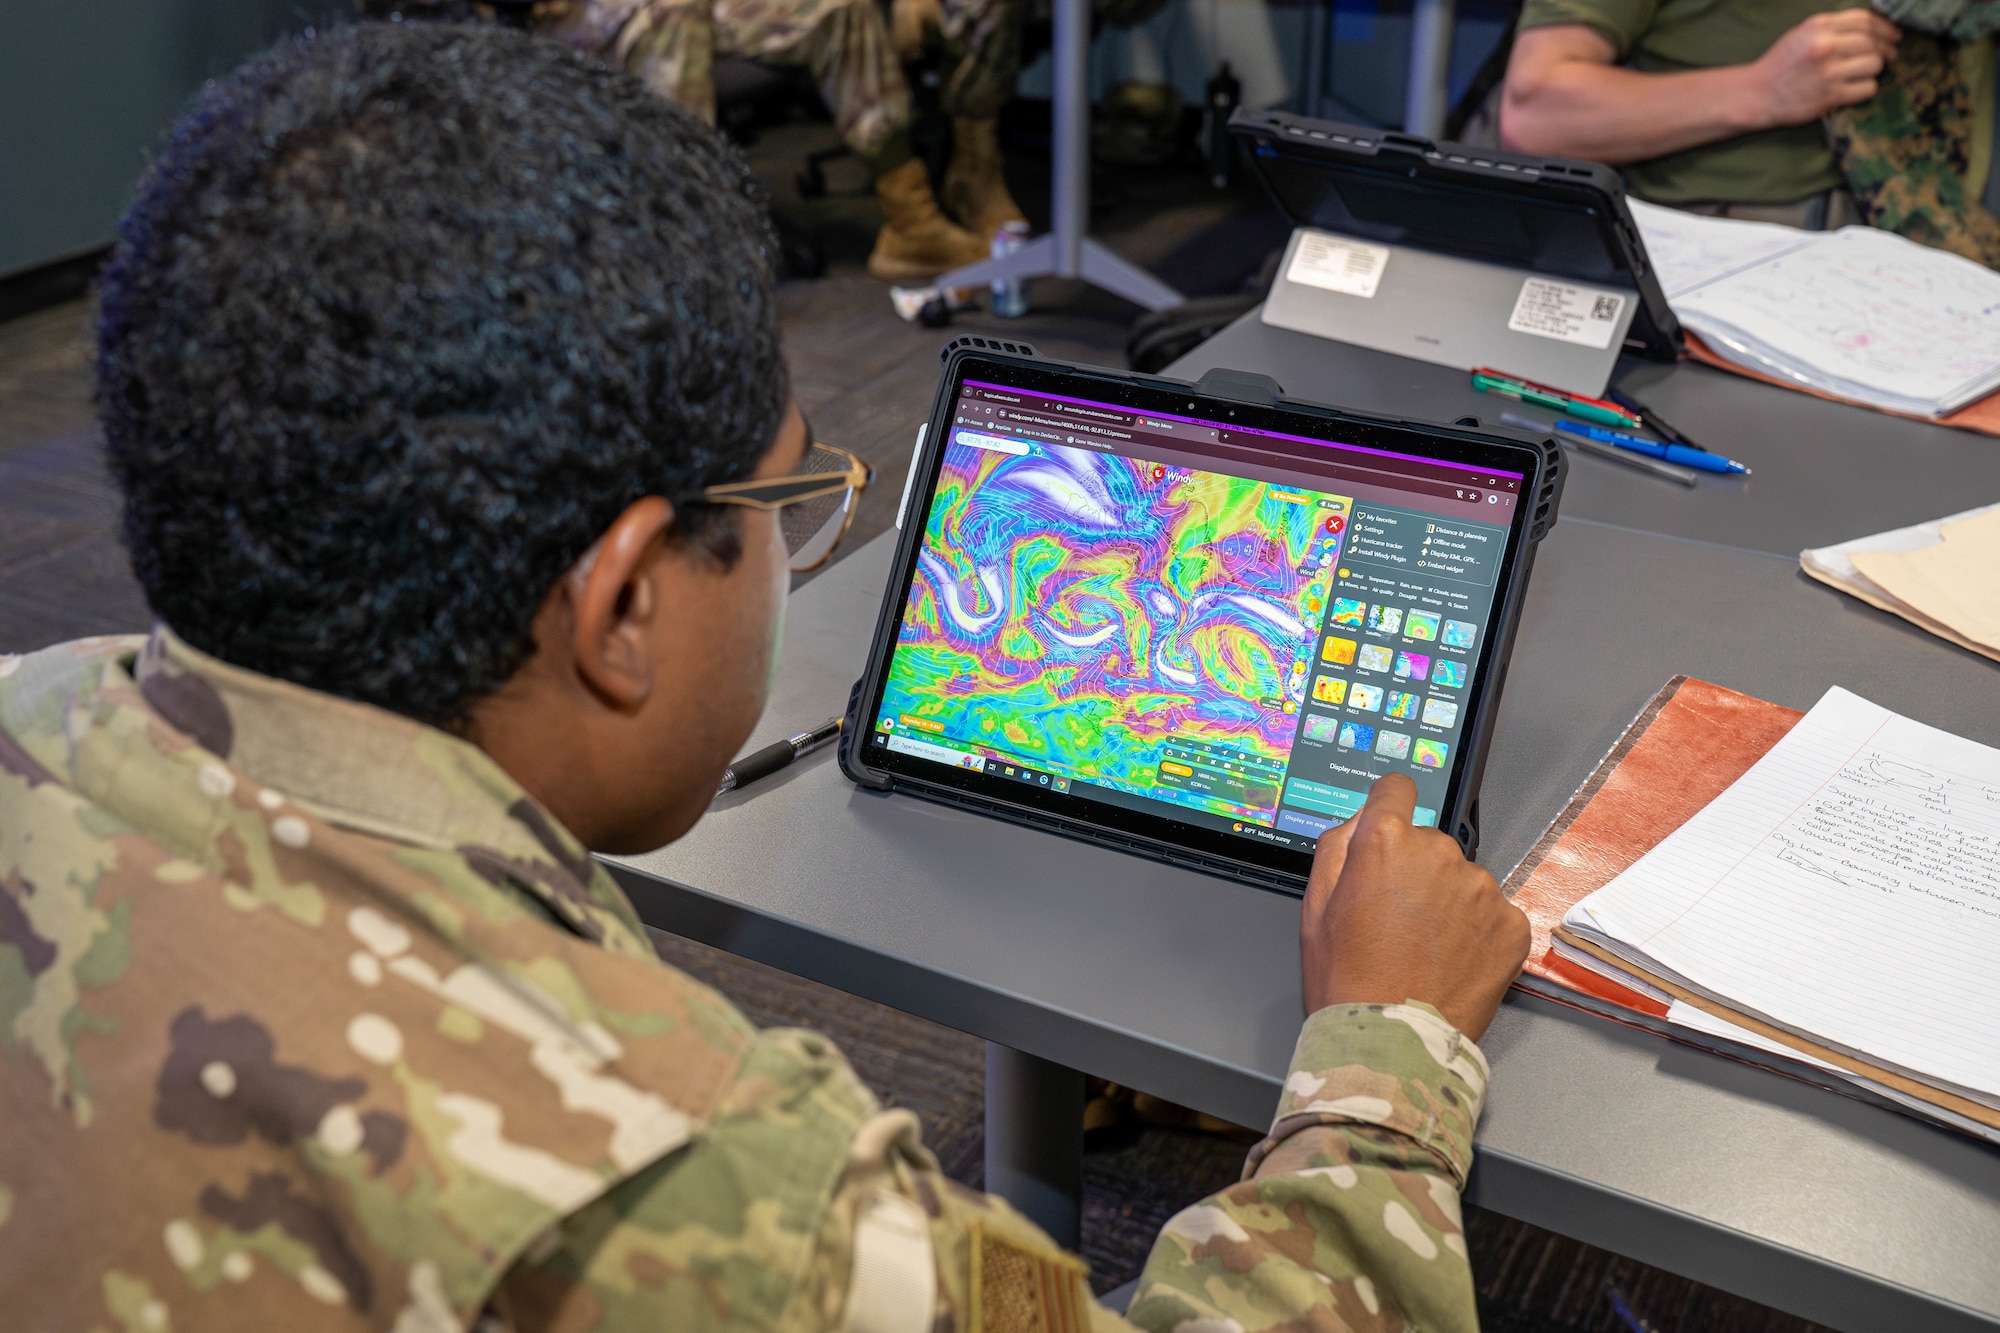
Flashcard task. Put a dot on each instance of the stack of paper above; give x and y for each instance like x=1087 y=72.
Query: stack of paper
x=1860 y=314
x=1841 y=900
x=1684 y=1015
x=1690 y=251
x=1944 y=576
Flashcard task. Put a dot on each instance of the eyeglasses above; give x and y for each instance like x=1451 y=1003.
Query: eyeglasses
x=815 y=505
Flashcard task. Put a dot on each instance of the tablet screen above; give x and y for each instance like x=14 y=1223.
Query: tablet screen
x=1181 y=614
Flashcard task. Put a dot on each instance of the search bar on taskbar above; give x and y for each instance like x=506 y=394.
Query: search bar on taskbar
x=939 y=753
x=972 y=439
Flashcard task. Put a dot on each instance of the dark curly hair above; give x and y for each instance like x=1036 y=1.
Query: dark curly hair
x=403 y=316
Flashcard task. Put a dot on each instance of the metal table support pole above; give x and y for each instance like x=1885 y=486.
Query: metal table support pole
x=1034 y=1140
x=1424 y=100
x=1312 y=66
x=1066 y=252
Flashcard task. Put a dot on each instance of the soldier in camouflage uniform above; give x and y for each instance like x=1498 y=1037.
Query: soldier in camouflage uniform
x=1807 y=113
x=670 y=45
x=1908 y=152
x=316 y=1011
x=978 y=42
x=858 y=62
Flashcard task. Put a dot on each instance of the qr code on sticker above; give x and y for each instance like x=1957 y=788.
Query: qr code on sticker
x=1606 y=308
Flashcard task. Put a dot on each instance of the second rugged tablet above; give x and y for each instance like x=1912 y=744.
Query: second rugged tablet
x=1193 y=624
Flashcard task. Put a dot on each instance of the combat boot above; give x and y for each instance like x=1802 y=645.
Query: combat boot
x=917 y=241
x=975 y=186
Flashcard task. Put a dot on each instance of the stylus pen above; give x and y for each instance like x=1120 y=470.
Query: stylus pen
x=1590 y=446
x=1650 y=419
x=1698 y=459
x=777 y=755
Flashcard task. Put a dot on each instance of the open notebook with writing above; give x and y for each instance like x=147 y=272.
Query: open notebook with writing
x=1858 y=314
x=1687 y=748
x=1842 y=898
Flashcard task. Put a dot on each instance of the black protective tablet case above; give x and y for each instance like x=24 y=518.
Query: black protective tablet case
x=1550 y=215
x=1542 y=492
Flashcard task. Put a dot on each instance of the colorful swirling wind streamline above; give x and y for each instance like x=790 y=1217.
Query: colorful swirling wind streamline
x=1077 y=610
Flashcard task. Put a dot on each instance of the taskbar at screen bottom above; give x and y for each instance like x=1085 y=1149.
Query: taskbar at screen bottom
x=1008 y=769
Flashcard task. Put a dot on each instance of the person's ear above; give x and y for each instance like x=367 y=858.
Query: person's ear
x=615 y=595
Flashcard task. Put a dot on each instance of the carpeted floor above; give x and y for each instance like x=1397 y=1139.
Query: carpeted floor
x=865 y=379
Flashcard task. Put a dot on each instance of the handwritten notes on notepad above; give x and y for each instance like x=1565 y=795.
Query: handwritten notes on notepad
x=1858 y=313
x=1866 y=315
x=1846 y=889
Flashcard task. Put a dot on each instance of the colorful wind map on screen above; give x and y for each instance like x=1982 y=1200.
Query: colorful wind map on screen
x=1082 y=612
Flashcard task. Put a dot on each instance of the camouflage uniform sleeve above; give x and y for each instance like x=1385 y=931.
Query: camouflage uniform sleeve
x=1907 y=152
x=808 y=1206
x=811 y=1207
x=1349 y=1208
x=728 y=1233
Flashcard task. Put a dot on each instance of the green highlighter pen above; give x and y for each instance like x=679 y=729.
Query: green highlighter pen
x=1586 y=409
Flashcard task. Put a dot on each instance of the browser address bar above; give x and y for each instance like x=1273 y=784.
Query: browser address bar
x=972 y=439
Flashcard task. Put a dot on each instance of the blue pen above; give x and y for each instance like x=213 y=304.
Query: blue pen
x=1639 y=444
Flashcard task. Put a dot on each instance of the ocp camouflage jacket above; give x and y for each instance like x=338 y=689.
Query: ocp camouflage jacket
x=310 y=1018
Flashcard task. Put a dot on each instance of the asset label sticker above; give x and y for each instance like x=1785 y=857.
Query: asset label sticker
x=1336 y=264
x=1566 y=312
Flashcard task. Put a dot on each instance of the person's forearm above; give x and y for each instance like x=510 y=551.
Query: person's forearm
x=1606 y=114
x=1352 y=1209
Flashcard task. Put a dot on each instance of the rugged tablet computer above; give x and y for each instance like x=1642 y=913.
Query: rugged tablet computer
x=1193 y=622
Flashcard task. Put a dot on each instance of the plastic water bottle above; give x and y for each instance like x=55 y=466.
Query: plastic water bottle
x=1010 y=295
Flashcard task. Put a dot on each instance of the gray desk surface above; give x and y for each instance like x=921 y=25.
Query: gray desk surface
x=1824 y=472
x=1187 y=986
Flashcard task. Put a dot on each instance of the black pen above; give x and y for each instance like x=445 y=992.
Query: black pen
x=778 y=754
x=1652 y=420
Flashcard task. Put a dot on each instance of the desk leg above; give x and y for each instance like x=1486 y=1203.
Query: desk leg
x=1065 y=251
x=1034 y=1139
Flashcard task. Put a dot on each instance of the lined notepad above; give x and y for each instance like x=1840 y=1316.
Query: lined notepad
x=1845 y=892
x=1859 y=313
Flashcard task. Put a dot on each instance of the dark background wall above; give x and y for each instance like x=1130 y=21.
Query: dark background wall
x=85 y=90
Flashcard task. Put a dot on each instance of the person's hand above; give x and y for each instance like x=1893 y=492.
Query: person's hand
x=1830 y=60
x=1394 y=913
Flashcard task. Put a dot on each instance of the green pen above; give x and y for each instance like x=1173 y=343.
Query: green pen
x=1588 y=409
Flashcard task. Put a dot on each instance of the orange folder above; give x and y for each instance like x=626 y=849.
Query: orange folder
x=1982 y=415
x=1683 y=750
x=1680 y=753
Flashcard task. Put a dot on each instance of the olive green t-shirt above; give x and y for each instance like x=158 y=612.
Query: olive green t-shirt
x=1669 y=36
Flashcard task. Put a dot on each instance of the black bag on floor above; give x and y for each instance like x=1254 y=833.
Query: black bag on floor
x=1161 y=337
